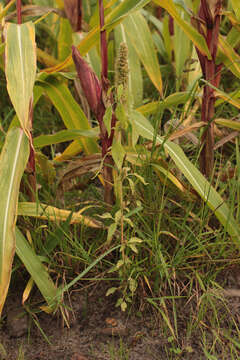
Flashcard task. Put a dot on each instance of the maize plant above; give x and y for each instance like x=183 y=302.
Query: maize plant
x=99 y=100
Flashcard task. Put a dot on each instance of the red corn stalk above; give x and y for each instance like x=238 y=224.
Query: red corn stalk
x=19 y=12
x=208 y=25
x=73 y=10
x=96 y=93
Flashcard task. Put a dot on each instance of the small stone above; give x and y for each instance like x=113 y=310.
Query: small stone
x=17 y=322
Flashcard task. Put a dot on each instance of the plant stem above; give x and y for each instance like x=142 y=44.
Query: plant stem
x=211 y=73
x=106 y=141
x=19 y=12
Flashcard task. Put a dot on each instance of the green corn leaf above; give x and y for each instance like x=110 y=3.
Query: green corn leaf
x=135 y=82
x=169 y=102
x=13 y=161
x=190 y=31
x=136 y=28
x=64 y=39
x=229 y=56
x=193 y=175
x=71 y=113
x=236 y=8
x=37 y=271
x=64 y=135
x=20 y=68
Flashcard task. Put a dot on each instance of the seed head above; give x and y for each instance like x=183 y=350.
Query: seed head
x=121 y=72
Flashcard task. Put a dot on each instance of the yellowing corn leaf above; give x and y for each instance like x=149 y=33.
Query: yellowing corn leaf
x=20 y=68
x=118 y=13
x=236 y=8
x=229 y=57
x=43 y=211
x=13 y=160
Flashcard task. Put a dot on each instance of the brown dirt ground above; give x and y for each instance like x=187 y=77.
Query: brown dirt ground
x=91 y=337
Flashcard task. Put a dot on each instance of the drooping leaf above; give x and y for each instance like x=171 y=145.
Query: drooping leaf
x=64 y=135
x=229 y=57
x=13 y=160
x=47 y=212
x=190 y=31
x=172 y=100
x=235 y=125
x=37 y=271
x=20 y=68
x=112 y=19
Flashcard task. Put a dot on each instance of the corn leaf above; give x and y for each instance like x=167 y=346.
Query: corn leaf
x=170 y=101
x=36 y=269
x=13 y=160
x=112 y=19
x=72 y=150
x=235 y=125
x=47 y=212
x=64 y=135
x=71 y=113
x=193 y=175
x=190 y=31
x=135 y=82
x=20 y=68
x=236 y=8
x=229 y=56
x=136 y=28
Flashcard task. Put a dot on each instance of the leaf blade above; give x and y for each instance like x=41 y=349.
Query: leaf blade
x=20 y=68
x=13 y=161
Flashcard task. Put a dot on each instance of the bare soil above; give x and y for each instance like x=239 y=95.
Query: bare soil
x=98 y=331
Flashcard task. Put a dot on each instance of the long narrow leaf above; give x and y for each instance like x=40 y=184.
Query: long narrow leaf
x=64 y=135
x=112 y=19
x=20 y=68
x=71 y=113
x=141 y=39
x=13 y=160
x=36 y=269
x=190 y=31
x=47 y=212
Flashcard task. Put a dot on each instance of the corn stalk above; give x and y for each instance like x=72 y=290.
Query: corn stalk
x=208 y=24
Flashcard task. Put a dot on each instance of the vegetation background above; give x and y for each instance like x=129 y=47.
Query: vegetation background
x=120 y=162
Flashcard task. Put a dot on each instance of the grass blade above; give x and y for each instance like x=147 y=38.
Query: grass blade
x=194 y=176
